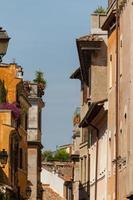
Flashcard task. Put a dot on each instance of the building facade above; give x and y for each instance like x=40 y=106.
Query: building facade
x=119 y=27
x=92 y=51
x=13 y=129
x=20 y=130
x=106 y=105
x=34 y=142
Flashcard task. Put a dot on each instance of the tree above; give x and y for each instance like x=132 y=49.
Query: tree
x=100 y=10
x=61 y=155
x=39 y=78
x=47 y=155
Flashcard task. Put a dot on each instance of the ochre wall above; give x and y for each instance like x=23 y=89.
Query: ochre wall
x=111 y=114
x=5 y=132
x=9 y=75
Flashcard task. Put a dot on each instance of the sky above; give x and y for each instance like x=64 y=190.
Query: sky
x=43 y=34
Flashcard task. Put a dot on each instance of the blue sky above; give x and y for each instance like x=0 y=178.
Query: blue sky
x=43 y=34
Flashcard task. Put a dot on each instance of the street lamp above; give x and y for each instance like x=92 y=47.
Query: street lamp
x=4 y=40
x=3 y=158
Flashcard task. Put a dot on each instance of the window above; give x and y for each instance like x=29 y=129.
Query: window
x=84 y=169
x=92 y=136
x=81 y=171
x=89 y=82
x=84 y=134
x=14 y=157
x=110 y=72
x=109 y=158
x=85 y=94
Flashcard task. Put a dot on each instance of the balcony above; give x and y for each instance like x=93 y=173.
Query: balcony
x=7 y=118
x=10 y=111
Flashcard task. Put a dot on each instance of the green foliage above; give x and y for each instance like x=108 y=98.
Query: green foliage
x=100 y=10
x=41 y=82
x=61 y=155
x=3 y=92
x=47 y=156
x=39 y=78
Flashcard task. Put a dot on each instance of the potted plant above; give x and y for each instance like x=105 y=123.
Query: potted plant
x=41 y=82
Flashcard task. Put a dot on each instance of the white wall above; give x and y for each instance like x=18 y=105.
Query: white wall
x=55 y=182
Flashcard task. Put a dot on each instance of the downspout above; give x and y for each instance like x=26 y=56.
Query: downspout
x=117 y=99
x=88 y=181
x=96 y=168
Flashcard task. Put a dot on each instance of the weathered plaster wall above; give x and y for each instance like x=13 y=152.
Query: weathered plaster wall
x=55 y=182
x=111 y=113
x=32 y=171
x=99 y=83
x=101 y=123
x=126 y=102
x=5 y=132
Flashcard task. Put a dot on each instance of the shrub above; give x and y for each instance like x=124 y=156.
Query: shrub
x=100 y=10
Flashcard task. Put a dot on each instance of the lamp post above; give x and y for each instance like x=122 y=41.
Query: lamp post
x=4 y=40
x=3 y=158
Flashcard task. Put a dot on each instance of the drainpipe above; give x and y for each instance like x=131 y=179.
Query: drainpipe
x=96 y=168
x=117 y=99
x=88 y=181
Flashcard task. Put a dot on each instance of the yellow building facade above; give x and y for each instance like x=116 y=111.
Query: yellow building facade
x=13 y=135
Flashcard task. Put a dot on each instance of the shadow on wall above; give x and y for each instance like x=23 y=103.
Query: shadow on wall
x=99 y=57
x=83 y=192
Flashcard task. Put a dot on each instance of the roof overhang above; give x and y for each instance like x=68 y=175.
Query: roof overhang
x=76 y=74
x=111 y=14
x=94 y=109
x=86 y=45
